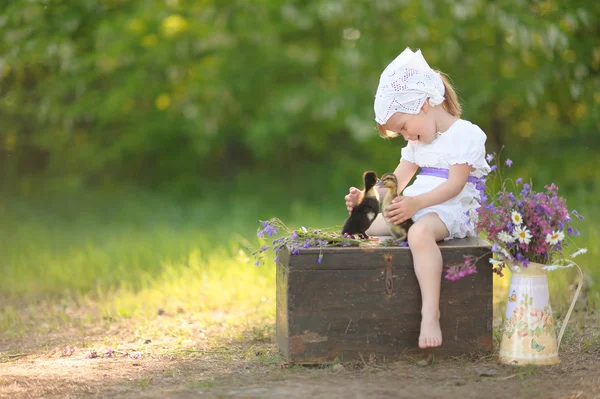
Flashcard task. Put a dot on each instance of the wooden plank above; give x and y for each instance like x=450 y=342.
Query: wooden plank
x=340 y=313
x=364 y=258
x=347 y=306
x=281 y=303
x=469 y=242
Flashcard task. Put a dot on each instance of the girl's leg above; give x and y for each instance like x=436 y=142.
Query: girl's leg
x=379 y=227
x=427 y=257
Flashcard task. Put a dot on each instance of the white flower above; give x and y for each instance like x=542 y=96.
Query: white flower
x=522 y=234
x=555 y=237
x=579 y=252
x=549 y=267
x=516 y=218
x=505 y=237
x=495 y=262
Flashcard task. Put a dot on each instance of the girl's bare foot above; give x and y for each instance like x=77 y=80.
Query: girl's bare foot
x=431 y=333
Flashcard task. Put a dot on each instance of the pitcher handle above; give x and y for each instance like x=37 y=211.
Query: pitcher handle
x=564 y=324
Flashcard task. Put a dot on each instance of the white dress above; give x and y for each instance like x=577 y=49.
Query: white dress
x=463 y=142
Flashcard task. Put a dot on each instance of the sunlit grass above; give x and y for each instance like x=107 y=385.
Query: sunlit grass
x=218 y=280
x=96 y=259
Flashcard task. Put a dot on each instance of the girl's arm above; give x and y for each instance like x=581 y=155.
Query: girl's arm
x=405 y=207
x=457 y=178
x=404 y=172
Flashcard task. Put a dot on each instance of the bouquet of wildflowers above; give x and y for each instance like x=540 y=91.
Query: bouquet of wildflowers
x=524 y=226
x=279 y=235
x=275 y=235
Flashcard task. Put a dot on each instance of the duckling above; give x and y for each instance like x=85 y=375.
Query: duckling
x=398 y=231
x=364 y=213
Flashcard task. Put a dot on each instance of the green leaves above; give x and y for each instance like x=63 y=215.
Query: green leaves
x=118 y=88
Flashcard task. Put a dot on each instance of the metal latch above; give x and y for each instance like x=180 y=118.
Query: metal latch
x=389 y=282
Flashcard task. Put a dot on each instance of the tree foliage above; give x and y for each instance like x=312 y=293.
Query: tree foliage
x=164 y=91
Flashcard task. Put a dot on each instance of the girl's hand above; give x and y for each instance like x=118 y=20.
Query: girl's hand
x=401 y=209
x=352 y=198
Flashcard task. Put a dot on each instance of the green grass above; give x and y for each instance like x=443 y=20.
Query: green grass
x=128 y=254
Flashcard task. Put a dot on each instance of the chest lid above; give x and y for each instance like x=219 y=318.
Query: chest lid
x=371 y=257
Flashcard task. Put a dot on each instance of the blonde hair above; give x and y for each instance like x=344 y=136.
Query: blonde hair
x=451 y=104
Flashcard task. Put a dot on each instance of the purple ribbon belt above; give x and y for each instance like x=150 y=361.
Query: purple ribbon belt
x=479 y=182
x=443 y=173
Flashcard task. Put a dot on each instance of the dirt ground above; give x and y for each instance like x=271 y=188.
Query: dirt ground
x=243 y=362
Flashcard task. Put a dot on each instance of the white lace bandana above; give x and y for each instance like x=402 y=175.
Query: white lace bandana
x=404 y=86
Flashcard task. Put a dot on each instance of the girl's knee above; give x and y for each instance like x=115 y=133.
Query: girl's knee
x=427 y=230
x=419 y=234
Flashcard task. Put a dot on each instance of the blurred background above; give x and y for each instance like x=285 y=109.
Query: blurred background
x=141 y=141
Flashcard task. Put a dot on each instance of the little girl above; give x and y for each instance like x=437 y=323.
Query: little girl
x=418 y=103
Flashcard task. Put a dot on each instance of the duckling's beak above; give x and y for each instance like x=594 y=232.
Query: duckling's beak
x=379 y=183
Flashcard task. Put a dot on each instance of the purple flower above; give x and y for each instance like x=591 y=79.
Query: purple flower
x=295 y=251
x=508 y=162
x=256 y=263
x=558 y=247
x=569 y=229
x=519 y=181
x=457 y=272
x=294 y=235
x=489 y=157
x=493 y=168
x=495 y=247
x=320 y=258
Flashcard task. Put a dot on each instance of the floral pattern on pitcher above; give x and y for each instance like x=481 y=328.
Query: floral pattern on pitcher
x=528 y=321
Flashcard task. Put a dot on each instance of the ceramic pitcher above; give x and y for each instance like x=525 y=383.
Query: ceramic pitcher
x=528 y=335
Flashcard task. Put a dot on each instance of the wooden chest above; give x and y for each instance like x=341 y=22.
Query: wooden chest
x=365 y=301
